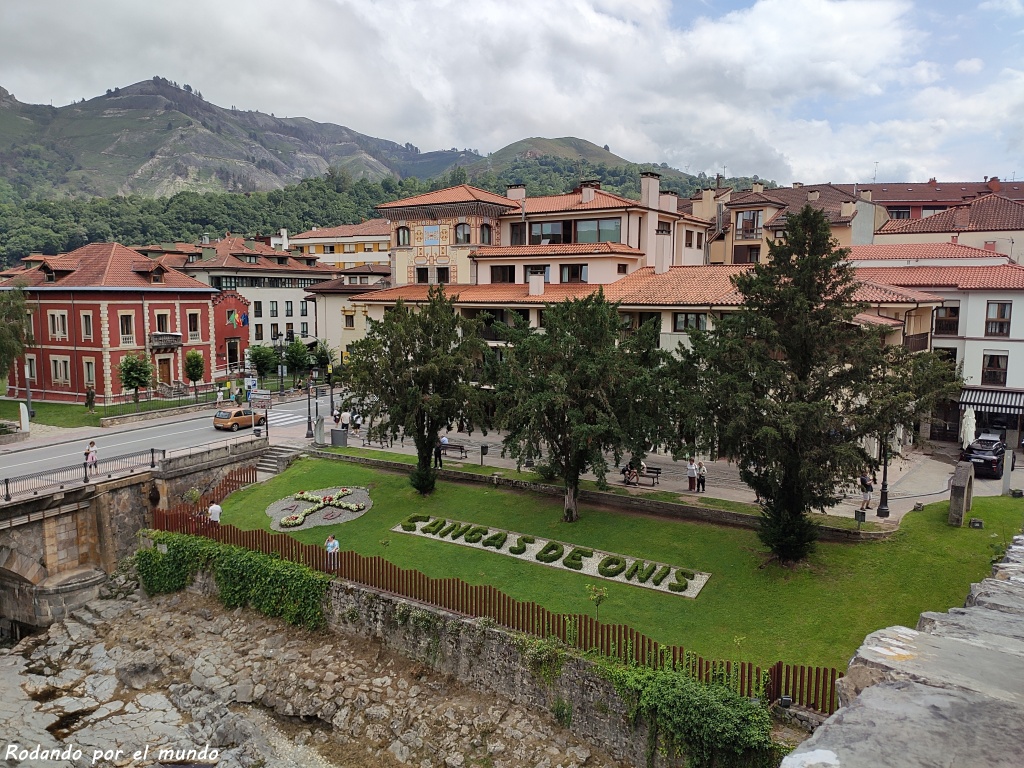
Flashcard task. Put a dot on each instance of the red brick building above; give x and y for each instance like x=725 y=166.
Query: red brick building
x=91 y=307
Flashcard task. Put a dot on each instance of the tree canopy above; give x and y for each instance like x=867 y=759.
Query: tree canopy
x=570 y=393
x=14 y=329
x=195 y=369
x=135 y=371
x=416 y=372
x=785 y=384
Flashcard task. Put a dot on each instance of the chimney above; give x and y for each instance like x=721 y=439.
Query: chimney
x=757 y=187
x=662 y=257
x=206 y=238
x=536 y=285
x=649 y=188
x=847 y=208
x=933 y=182
x=812 y=195
x=797 y=184
x=865 y=194
x=993 y=184
x=515 y=191
x=588 y=194
x=961 y=217
x=669 y=201
x=954 y=239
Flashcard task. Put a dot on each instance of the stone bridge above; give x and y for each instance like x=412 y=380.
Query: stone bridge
x=56 y=549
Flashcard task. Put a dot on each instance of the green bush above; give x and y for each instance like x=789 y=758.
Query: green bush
x=423 y=480
x=272 y=586
x=550 y=552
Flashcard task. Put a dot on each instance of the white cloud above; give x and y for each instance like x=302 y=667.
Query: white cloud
x=1012 y=7
x=969 y=66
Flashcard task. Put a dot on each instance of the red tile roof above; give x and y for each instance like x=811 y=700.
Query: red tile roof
x=865 y=318
x=558 y=249
x=912 y=251
x=463 y=193
x=495 y=293
x=573 y=201
x=368 y=228
x=790 y=199
x=105 y=265
x=996 y=277
x=986 y=214
x=880 y=292
x=935 y=191
x=233 y=253
x=706 y=285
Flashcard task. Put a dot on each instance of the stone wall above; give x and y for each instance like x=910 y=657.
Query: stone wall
x=177 y=474
x=617 y=501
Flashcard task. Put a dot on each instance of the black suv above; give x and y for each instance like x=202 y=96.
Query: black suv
x=988 y=454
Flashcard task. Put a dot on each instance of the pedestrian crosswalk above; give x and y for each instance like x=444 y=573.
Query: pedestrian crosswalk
x=283 y=418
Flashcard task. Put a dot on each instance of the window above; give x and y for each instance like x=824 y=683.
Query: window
x=158 y=277
x=899 y=212
x=364 y=280
x=163 y=322
x=328 y=249
x=402 y=236
x=700 y=239
x=312 y=249
x=997 y=319
x=303 y=309
x=349 y=248
x=252 y=259
x=193 y=327
x=684 y=322
x=597 y=231
x=257 y=309
x=30 y=367
x=288 y=309
x=461 y=234
x=258 y=332
x=932 y=210
x=517 y=233
x=746 y=254
x=274 y=332
x=504 y=274
x=61 y=369
x=304 y=329
x=350 y=321
x=58 y=325
x=422 y=275
x=538 y=269
x=574 y=273
x=993 y=371
x=273 y=309
x=947 y=321
x=748 y=225
x=127 y=327
x=89 y=369
x=689 y=238
x=622 y=269
x=443 y=275
x=86 y=326
x=547 y=232
x=353 y=280
x=486 y=235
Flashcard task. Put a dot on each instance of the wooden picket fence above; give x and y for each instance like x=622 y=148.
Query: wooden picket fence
x=810 y=687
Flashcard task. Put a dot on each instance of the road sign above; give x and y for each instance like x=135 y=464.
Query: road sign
x=330 y=369
x=261 y=398
x=251 y=383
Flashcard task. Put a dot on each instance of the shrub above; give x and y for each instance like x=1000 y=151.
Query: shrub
x=423 y=479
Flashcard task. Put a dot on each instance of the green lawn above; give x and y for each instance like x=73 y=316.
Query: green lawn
x=750 y=609
x=54 y=414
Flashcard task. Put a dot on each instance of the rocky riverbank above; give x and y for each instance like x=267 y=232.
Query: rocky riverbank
x=179 y=673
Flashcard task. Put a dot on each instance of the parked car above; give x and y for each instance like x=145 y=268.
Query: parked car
x=988 y=454
x=236 y=418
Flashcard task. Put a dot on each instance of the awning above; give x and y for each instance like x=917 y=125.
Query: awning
x=992 y=400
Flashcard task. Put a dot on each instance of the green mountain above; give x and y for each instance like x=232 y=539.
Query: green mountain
x=155 y=139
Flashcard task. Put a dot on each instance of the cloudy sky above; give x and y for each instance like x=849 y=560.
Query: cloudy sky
x=805 y=90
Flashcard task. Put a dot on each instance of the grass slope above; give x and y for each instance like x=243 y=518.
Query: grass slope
x=750 y=609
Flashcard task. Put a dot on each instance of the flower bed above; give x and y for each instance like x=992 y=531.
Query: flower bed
x=330 y=499
x=556 y=554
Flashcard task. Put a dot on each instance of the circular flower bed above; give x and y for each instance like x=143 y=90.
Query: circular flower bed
x=326 y=506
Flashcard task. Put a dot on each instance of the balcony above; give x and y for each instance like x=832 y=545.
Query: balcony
x=916 y=342
x=194 y=337
x=159 y=340
x=947 y=326
x=127 y=340
x=748 y=233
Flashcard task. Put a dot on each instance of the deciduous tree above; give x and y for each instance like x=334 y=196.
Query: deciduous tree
x=136 y=371
x=416 y=372
x=264 y=360
x=195 y=369
x=14 y=329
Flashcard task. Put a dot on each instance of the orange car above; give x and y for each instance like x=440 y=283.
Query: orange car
x=237 y=418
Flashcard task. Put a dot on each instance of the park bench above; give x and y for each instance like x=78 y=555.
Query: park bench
x=650 y=473
x=368 y=443
x=459 y=448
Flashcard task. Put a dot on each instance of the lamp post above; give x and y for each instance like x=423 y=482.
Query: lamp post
x=279 y=347
x=883 y=502
x=309 y=410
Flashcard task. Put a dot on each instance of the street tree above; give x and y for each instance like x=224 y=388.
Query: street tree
x=571 y=393
x=264 y=360
x=135 y=371
x=296 y=357
x=15 y=333
x=195 y=369
x=324 y=355
x=417 y=372
x=785 y=385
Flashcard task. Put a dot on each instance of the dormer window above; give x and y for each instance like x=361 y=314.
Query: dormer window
x=49 y=277
x=252 y=259
x=158 y=277
x=283 y=261
x=310 y=262
x=192 y=258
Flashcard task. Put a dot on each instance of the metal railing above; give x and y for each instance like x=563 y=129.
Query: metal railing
x=78 y=475
x=153 y=400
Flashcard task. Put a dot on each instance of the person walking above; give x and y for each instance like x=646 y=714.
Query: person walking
x=336 y=416
x=691 y=474
x=865 y=490
x=213 y=513
x=357 y=422
x=90 y=399
x=91 y=458
x=438 y=464
x=332 y=546
x=702 y=477
x=220 y=397
x=346 y=419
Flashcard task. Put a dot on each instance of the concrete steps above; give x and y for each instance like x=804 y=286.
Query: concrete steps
x=275 y=459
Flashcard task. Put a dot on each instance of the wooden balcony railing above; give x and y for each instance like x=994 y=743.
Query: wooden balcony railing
x=947 y=326
x=916 y=342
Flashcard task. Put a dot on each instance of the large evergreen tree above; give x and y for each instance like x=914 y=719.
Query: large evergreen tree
x=786 y=385
x=570 y=393
x=416 y=372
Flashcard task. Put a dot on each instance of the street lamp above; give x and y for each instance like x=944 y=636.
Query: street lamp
x=314 y=374
x=279 y=348
x=883 y=502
